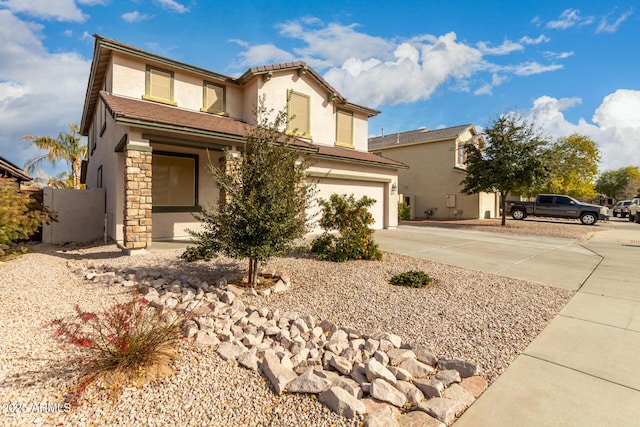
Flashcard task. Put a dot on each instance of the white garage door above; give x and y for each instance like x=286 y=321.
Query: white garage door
x=325 y=187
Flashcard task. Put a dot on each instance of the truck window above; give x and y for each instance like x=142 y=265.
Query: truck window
x=545 y=200
x=563 y=200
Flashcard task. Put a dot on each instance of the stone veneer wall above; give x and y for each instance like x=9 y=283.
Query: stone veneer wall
x=137 y=199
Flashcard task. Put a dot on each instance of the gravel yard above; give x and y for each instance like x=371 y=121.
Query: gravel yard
x=473 y=316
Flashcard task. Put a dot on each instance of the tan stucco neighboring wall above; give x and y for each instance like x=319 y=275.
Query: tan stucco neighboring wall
x=434 y=183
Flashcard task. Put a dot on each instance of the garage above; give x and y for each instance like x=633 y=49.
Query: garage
x=325 y=187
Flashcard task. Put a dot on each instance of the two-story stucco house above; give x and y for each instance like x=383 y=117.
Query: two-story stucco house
x=153 y=123
x=436 y=160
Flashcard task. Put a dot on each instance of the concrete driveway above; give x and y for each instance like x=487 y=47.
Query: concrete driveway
x=583 y=369
x=557 y=262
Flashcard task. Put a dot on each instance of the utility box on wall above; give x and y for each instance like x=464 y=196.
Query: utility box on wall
x=79 y=214
x=451 y=200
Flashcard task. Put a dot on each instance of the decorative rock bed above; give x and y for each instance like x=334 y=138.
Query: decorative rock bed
x=352 y=373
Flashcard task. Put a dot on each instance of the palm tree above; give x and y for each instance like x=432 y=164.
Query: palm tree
x=65 y=147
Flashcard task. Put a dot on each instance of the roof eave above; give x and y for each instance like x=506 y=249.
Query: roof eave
x=360 y=161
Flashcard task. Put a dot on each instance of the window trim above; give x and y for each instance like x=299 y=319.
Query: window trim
x=169 y=209
x=290 y=131
x=147 y=86
x=340 y=143
x=204 y=108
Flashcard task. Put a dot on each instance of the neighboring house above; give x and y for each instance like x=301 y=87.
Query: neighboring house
x=436 y=160
x=9 y=170
x=153 y=123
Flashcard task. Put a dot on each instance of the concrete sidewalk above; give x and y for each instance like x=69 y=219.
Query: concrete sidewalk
x=584 y=368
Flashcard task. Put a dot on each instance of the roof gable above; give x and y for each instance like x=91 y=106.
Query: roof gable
x=419 y=136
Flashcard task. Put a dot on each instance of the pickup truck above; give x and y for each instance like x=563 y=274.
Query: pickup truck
x=558 y=206
x=634 y=210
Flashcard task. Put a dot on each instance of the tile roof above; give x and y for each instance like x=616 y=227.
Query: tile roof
x=137 y=112
x=417 y=136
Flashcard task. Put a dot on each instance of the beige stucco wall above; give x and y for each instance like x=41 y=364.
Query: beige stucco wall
x=129 y=80
x=79 y=215
x=434 y=183
x=348 y=178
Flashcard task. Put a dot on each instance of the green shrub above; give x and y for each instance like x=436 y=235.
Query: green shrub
x=404 y=211
x=351 y=218
x=20 y=215
x=412 y=279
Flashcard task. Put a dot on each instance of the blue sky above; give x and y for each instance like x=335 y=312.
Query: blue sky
x=573 y=65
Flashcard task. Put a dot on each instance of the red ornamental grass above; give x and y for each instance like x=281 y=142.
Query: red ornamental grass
x=128 y=337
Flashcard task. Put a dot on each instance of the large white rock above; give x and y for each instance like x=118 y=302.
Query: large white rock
x=382 y=390
x=383 y=418
x=308 y=382
x=375 y=369
x=413 y=394
x=342 y=402
x=416 y=368
x=278 y=375
x=444 y=410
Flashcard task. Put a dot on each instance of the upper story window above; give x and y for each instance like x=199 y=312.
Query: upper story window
x=344 y=128
x=159 y=85
x=298 y=114
x=461 y=154
x=214 y=98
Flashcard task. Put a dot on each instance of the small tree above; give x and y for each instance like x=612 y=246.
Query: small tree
x=20 y=214
x=66 y=146
x=511 y=162
x=351 y=218
x=619 y=183
x=262 y=210
x=573 y=162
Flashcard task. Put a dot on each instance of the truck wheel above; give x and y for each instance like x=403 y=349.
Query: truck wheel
x=518 y=214
x=637 y=219
x=631 y=218
x=615 y=214
x=588 y=219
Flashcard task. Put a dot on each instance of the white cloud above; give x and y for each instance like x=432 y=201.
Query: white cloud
x=134 y=16
x=570 y=18
x=374 y=71
x=557 y=55
x=504 y=49
x=60 y=10
x=606 y=27
x=619 y=109
x=335 y=43
x=173 y=6
x=261 y=54
x=41 y=92
x=540 y=39
x=413 y=74
x=531 y=68
x=616 y=127
x=94 y=2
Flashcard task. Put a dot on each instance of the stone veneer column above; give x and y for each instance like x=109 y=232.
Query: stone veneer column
x=230 y=164
x=137 y=199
